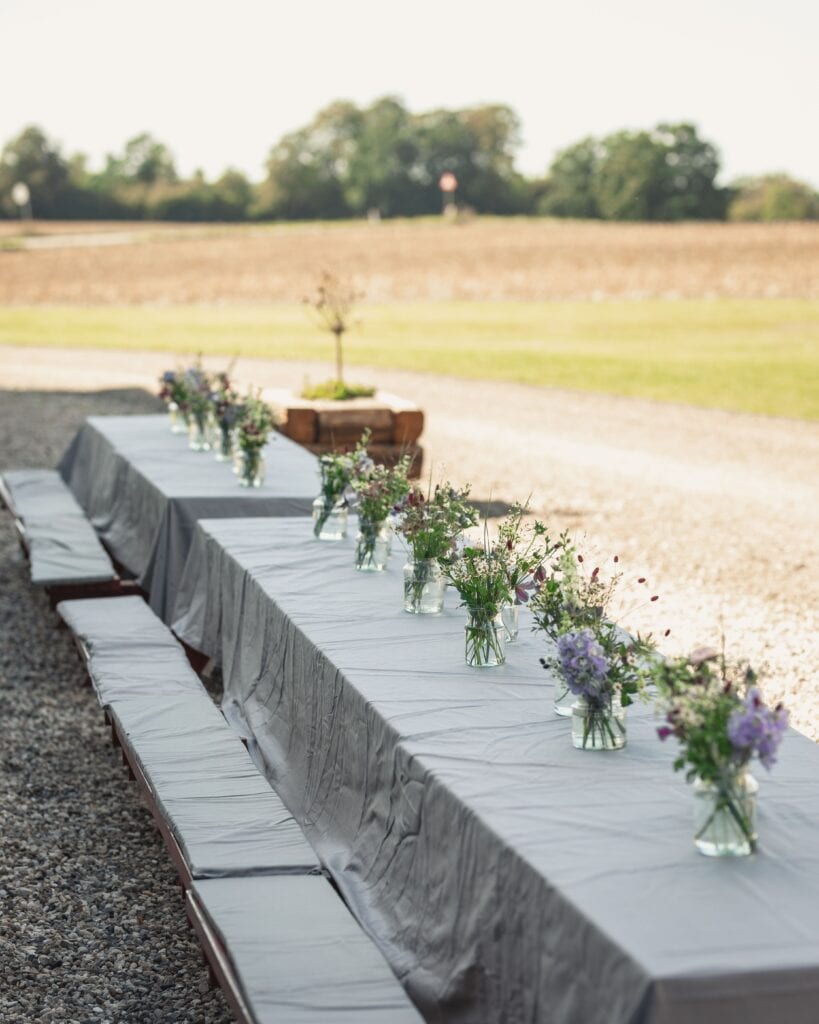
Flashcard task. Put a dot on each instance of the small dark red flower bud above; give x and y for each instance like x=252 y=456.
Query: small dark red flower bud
x=580 y=558
x=656 y=597
x=642 y=579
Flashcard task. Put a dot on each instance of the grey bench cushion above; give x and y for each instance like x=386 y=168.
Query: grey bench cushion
x=298 y=954
x=130 y=651
x=62 y=544
x=223 y=813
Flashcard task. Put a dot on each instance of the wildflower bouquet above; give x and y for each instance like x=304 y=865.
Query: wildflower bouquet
x=337 y=470
x=377 y=490
x=524 y=550
x=480 y=575
x=227 y=408
x=605 y=670
x=197 y=391
x=600 y=667
x=716 y=712
x=253 y=430
x=172 y=387
x=430 y=526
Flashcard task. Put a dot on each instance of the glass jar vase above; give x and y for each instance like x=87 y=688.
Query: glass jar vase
x=424 y=587
x=510 y=617
x=329 y=519
x=251 y=467
x=198 y=433
x=598 y=725
x=373 y=544
x=725 y=815
x=564 y=698
x=223 y=442
x=485 y=640
x=178 y=419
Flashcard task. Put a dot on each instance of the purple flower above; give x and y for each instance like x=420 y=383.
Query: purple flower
x=755 y=728
x=583 y=664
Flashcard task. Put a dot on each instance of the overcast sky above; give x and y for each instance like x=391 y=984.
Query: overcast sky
x=221 y=82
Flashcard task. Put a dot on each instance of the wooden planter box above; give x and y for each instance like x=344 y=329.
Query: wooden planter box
x=326 y=426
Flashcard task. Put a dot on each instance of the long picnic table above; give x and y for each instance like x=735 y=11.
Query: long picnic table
x=143 y=490
x=506 y=876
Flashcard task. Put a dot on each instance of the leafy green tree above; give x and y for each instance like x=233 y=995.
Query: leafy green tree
x=691 y=166
x=773 y=197
x=378 y=174
x=227 y=199
x=629 y=179
x=477 y=145
x=33 y=158
x=665 y=174
x=349 y=160
x=145 y=161
x=569 y=188
x=306 y=169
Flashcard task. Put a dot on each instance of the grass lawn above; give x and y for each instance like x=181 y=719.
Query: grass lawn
x=754 y=356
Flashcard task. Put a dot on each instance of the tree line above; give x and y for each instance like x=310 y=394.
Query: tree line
x=352 y=161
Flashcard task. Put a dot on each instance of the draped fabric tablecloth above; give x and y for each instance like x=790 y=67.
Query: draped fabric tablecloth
x=506 y=876
x=143 y=489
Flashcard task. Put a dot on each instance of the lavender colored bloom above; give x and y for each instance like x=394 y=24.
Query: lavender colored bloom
x=169 y=377
x=755 y=728
x=583 y=664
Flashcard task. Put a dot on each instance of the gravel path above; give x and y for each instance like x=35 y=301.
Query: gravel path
x=93 y=929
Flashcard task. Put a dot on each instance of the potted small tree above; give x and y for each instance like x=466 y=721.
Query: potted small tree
x=332 y=305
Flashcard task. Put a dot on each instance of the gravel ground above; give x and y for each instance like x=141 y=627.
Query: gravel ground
x=93 y=928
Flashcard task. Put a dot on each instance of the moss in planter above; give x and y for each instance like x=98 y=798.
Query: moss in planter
x=337 y=390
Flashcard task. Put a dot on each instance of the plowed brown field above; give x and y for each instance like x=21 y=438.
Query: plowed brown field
x=490 y=258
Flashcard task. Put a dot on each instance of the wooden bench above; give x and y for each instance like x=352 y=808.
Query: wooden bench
x=276 y=935
x=64 y=552
x=217 y=814
x=287 y=951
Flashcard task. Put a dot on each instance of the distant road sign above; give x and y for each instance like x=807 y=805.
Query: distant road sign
x=20 y=194
x=448 y=182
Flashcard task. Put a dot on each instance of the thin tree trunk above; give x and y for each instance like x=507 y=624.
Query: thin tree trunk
x=339 y=365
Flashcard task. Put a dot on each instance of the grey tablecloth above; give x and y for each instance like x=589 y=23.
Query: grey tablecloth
x=143 y=489
x=506 y=876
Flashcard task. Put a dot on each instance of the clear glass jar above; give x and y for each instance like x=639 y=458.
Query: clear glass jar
x=725 y=815
x=179 y=420
x=329 y=520
x=485 y=640
x=598 y=726
x=510 y=617
x=424 y=587
x=198 y=433
x=223 y=442
x=251 y=467
x=373 y=544
x=564 y=698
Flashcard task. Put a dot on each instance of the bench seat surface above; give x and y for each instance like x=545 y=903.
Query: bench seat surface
x=224 y=814
x=63 y=546
x=298 y=954
x=130 y=651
